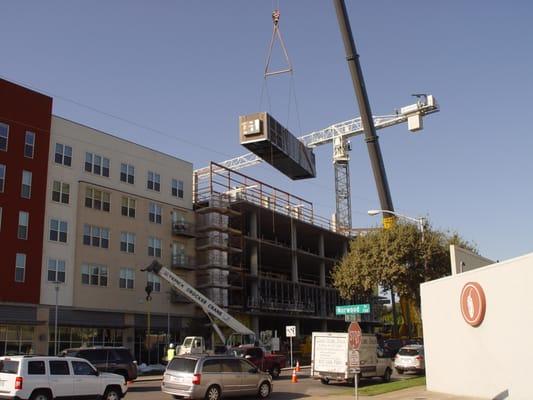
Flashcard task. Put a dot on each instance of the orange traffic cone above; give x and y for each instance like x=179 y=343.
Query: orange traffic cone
x=297 y=366
x=294 y=378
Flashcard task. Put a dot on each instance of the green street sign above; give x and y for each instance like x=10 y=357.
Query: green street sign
x=352 y=309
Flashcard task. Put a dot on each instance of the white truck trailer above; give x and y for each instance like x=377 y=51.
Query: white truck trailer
x=332 y=360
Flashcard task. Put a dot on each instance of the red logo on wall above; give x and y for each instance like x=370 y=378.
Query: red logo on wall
x=473 y=303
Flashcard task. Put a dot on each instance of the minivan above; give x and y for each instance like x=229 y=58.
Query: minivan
x=213 y=376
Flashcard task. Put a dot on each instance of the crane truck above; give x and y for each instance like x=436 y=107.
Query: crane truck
x=242 y=336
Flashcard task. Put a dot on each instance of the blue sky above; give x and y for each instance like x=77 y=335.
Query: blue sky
x=189 y=69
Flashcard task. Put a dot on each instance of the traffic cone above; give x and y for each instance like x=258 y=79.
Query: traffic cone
x=294 y=378
x=297 y=366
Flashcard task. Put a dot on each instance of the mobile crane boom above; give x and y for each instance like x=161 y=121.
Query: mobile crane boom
x=209 y=307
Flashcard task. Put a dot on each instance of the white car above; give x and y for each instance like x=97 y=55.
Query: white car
x=410 y=358
x=47 y=378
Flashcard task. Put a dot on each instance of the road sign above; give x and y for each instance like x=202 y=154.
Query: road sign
x=290 y=331
x=352 y=317
x=354 y=336
x=352 y=309
x=353 y=358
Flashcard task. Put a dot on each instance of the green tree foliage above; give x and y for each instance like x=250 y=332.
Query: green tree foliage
x=401 y=257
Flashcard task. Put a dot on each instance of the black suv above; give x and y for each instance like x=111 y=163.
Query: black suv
x=117 y=360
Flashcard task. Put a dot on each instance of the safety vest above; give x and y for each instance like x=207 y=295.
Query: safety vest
x=170 y=354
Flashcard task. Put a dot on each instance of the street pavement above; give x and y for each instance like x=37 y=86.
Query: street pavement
x=306 y=388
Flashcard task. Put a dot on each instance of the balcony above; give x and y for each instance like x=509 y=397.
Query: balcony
x=182 y=228
x=183 y=261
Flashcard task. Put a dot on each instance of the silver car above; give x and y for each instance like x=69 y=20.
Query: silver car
x=211 y=377
x=410 y=358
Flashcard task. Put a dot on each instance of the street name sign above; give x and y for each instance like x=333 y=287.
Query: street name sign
x=352 y=309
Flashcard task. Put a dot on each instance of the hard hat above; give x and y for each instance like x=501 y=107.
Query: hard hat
x=171 y=345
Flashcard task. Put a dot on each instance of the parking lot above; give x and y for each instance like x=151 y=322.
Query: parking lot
x=283 y=388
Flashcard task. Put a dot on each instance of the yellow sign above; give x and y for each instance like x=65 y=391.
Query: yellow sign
x=388 y=222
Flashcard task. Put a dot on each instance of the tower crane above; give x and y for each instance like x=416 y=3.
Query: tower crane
x=338 y=135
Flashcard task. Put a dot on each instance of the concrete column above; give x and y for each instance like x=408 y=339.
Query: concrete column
x=322 y=252
x=255 y=325
x=128 y=336
x=254 y=258
x=324 y=325
x=41 y=335
x=294 y=247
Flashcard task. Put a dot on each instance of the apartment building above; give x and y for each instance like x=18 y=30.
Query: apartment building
x=25 y=118
x=113 y=206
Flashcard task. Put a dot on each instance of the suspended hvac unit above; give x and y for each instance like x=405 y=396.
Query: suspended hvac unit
x=267 y=138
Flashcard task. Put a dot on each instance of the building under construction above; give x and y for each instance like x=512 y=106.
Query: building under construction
x=264 y=254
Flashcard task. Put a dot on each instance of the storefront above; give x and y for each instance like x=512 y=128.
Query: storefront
x=16 y=339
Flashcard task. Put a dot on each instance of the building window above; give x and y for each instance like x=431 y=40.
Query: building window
x=4 y=136
x=127 y=173
x=58 y=230
x=20 y=267
x=61 y=192
x=2 y=177
x=154 y=282
x=95 y=236
x=95 y=275
x=63 y=154
x=29 y=144
x=128 y=207
x=154 y=247
x=25 y=190
x=127 y=278
x=127 y=242
x=97 y=199
x=97 y=164
x=24 y=219
x=154 y=181
x=155 y=213
x=56 y=270
x=177 y=188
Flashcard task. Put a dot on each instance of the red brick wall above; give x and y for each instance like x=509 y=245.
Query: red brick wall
x=23 y=110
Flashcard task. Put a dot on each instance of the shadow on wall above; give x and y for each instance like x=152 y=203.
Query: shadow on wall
x=502 y=396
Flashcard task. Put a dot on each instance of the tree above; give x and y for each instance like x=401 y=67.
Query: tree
x=399 y=258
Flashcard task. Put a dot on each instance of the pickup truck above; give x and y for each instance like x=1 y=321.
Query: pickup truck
x=265 y=361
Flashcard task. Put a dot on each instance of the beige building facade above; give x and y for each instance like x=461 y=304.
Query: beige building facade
x=112 y=207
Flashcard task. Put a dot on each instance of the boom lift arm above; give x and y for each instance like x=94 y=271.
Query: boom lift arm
x=212 y=311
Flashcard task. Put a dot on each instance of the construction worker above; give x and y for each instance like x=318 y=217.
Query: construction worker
x=171 y=352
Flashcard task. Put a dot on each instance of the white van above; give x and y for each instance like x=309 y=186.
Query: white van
x=46 y=378
x=333 y=361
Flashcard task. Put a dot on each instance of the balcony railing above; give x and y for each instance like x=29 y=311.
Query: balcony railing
x=183 y=261
x=183 y=228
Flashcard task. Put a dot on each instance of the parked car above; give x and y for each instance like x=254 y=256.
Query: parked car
x=410 y=358
x=392 y=346
x=117 y=360
x=46 y=378
x=199 y=376
x=265 y=361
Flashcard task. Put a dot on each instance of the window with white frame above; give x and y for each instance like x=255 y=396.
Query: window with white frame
x=154 y=181
x=96 y=164
x=4 y=136
x=93 y=274
x=56 y=270
x=95 y=236
x=128 y=207
x=24 y=220
x=154 y=214
x=58 y=230
x=25 y=190
x=154 y=247
x=154 y=282
x=177 y=188
x=127 y=173
x=20 y=267
x=127 y=278
x=63 y=154
x=29 y=144
x=127 y=242
x=2 y=177
x=97 y=199
x=60 y=192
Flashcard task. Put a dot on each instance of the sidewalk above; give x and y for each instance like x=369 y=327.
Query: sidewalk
x=416 y=393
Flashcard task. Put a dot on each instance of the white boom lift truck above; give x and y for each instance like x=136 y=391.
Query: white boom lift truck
x=195 y=344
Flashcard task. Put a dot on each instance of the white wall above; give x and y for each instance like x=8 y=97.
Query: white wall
x=497 y=355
